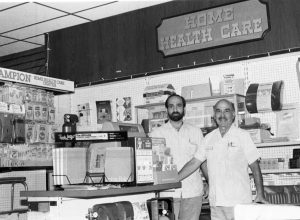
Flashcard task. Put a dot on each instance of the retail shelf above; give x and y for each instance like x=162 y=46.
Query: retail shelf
x=146 y=106
x=283 y=171
x=278 y=144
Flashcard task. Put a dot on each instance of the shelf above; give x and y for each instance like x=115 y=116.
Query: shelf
x=283 y=171
x=25 y=168
x=146 y=106
x=89 y=194
x=278 y=144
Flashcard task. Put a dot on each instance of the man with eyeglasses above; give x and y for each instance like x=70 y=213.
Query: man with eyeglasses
x=229 y=151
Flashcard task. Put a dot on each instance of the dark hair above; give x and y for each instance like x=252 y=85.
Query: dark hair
x=175 y=95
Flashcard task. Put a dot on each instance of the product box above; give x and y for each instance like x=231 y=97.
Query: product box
x=232 y=86
x=37 y=115
x=164 y=169
x=196 y=91
x=3 y=107
x=157 y=93
x=119 y=164
x=157 y=112
x=44 y=111
x=16 y=109
x=12 y=94
x=29 y=111
x=43 y=97
x=30 y=132
x=51 y=133
x=50 y=99
x=258 y=135
x=42 y=133
x=51 y=114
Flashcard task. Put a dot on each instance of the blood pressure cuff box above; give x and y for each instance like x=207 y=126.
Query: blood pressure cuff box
x=158 y=93
x=6 y=127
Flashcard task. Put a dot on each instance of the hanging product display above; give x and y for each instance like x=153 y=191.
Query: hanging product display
x=262 y=97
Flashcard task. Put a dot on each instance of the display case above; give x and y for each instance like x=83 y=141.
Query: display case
x=282 y=183
x=27 y=122
x=199 y=112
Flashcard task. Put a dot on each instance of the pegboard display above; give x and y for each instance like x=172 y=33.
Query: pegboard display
x=261 y=70
x=36 y=180
x=275 y=68
x=134 y=88
x=277 y=152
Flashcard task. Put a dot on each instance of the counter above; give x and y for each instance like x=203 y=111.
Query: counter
x=74 y=204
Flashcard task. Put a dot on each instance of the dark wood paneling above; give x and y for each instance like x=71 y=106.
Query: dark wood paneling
x=31 y=61
x=127 y=42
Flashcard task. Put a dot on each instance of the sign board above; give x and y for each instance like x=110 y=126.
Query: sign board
x=213 y=27
x=36 y=80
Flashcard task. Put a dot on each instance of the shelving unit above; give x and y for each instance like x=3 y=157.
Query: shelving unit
x=28 y=160
x=199 y=111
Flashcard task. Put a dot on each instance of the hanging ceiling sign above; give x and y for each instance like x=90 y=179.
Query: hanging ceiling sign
x=219 y=26
x=44 y=82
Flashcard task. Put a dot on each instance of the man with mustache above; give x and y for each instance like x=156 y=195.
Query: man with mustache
x=229 y=151
x=183 y=140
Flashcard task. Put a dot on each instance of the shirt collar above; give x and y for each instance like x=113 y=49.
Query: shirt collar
x=228 y=133
x=169 y=125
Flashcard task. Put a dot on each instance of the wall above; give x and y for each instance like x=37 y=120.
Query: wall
x=260 y=70
x=30 y=61
x=126 y=44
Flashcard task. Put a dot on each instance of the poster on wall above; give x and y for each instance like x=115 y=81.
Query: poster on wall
x=123 y=107
x=288 y=123
x=103 y=111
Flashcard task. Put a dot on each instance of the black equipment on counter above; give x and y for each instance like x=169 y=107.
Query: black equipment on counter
x=69 y=125
x=112 y=211
x=161 y=208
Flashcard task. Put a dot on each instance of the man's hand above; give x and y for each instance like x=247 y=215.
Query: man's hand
x=205 y=190
x=260 y=199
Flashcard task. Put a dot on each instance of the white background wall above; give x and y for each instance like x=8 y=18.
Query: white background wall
x=261 y=70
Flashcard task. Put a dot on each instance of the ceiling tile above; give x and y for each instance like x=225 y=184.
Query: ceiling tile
x=117 y=8
x=75 y=6
x=16 y=48
x=46 y=27
x=38 y=40
x=7 y=5
x=25 y=15
x=4 y=40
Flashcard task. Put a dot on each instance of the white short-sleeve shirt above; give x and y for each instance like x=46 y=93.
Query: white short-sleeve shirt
x=183 y=145
x=228 y=158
